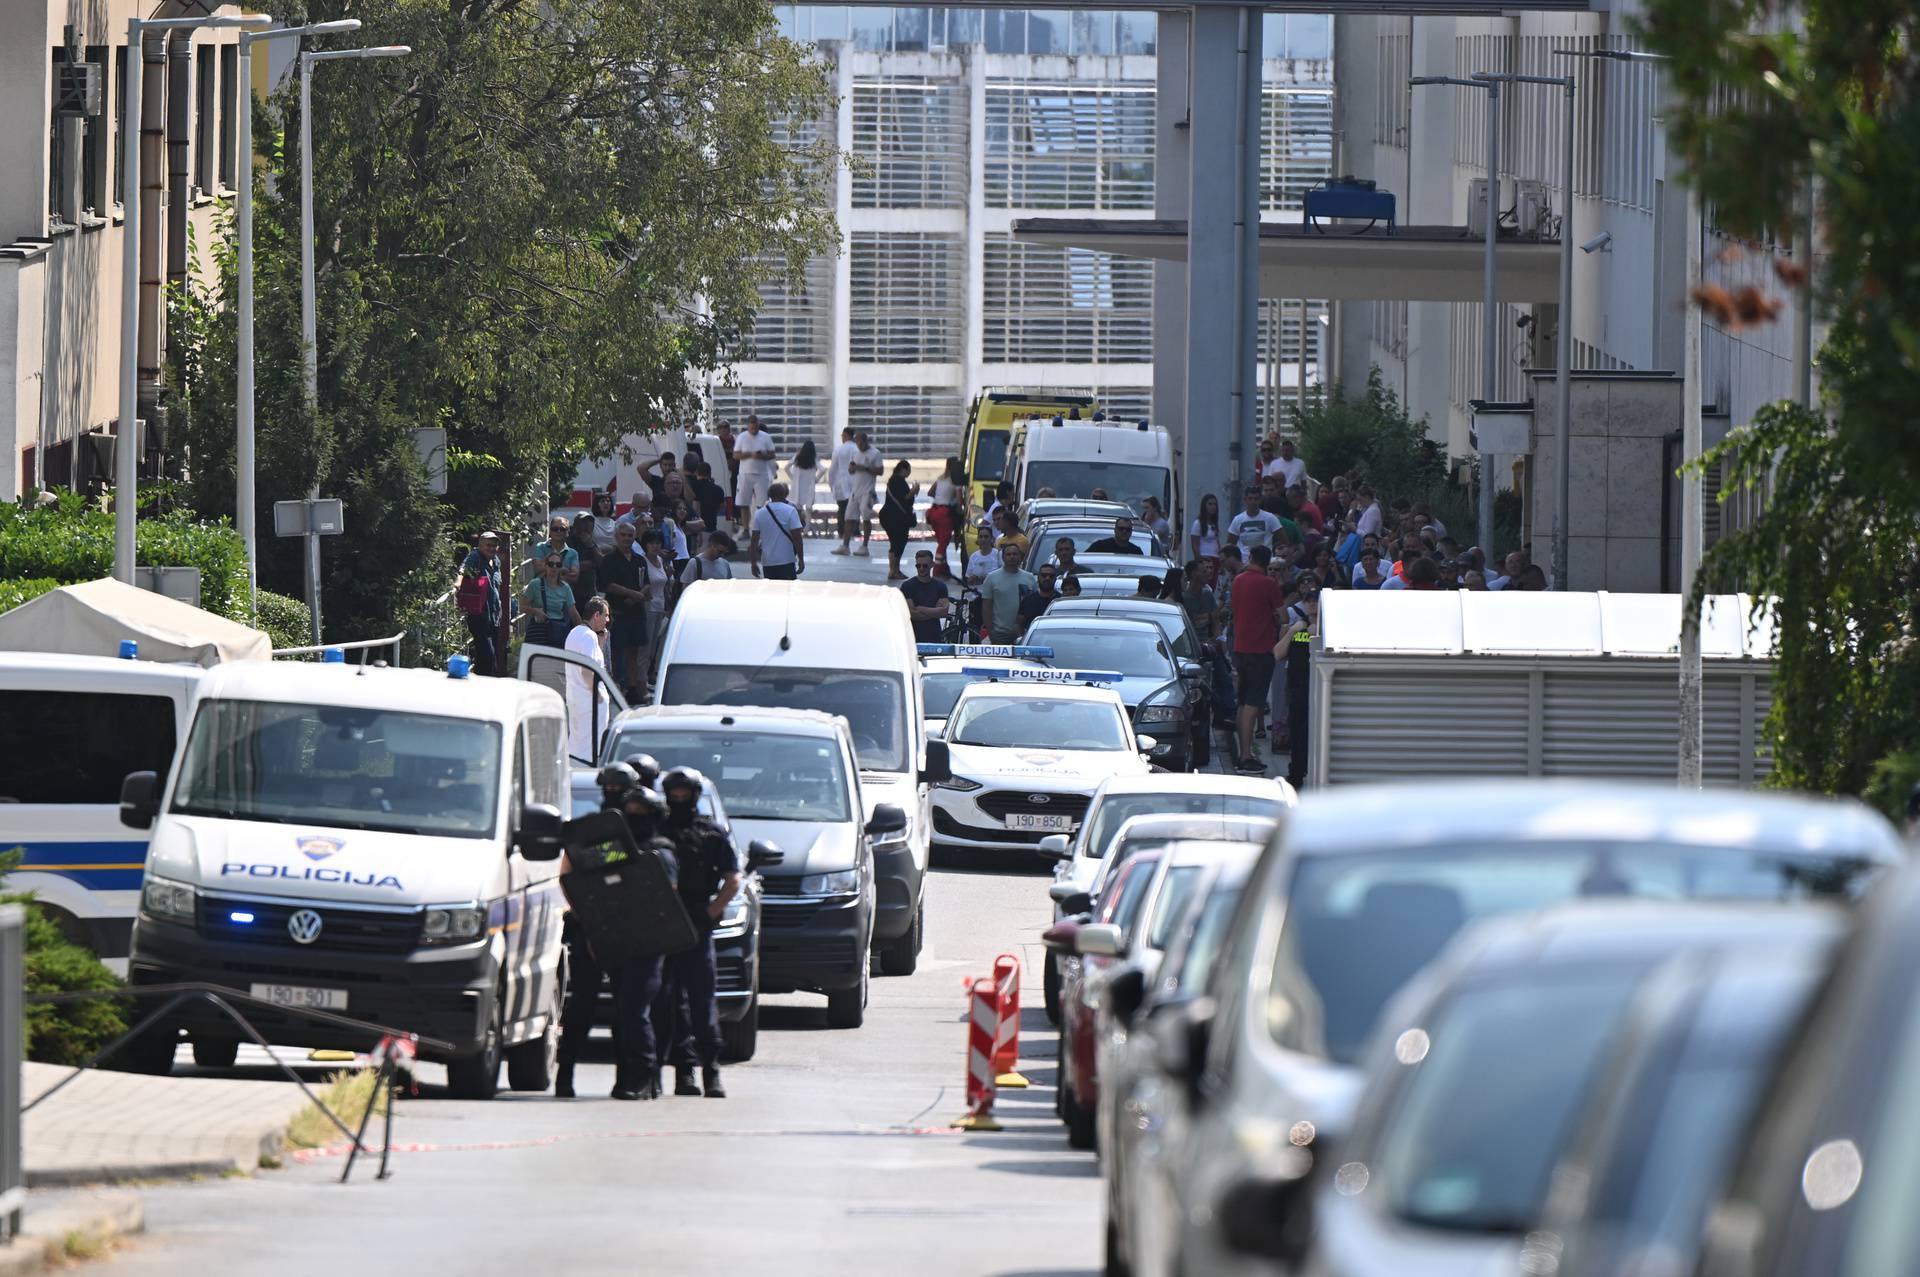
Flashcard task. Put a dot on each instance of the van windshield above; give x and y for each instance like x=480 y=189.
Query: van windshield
x=761 y=775
x=342 y=767
x=873 y=703
x=1131 y=485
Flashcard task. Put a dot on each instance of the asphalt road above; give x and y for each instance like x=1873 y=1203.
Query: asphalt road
x=833 y=1154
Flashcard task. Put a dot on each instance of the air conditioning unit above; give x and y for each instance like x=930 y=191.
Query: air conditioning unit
x=1533 y=210
x=1477 y=207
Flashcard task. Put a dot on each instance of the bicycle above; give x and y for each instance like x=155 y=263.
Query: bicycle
x=962 y=623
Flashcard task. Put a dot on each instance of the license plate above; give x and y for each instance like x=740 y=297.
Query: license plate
x=1040 y=824
x=296 y=995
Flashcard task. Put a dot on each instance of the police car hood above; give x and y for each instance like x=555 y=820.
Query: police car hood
x=318 y=863
x=807 y=847
x=1049 y=769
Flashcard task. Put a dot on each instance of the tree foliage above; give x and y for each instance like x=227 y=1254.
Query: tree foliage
x=71 y=541
x=535 y=231
x=62 y=1033
x=1765 y=104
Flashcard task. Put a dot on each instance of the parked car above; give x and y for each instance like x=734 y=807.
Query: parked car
x=1364 y=886
x=1150 y=678
x=1482 y=1067
x=1182 y=640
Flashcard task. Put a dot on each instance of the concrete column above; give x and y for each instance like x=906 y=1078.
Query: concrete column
x=840 y=369
x=1222 y=252
x=974 y=62
x=1171 y=163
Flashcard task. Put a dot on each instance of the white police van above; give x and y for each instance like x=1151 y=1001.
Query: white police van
x=375 y=843
x=71 y=729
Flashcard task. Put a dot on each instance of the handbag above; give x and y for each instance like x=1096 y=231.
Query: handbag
x=472 y=595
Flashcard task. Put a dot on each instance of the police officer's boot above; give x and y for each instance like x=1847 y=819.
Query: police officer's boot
x=710 y=1079
x=683 y=1083
x=631 y=1083
x=563 y=1081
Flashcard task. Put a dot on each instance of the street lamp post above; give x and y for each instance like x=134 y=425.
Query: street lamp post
x=1563 y=343
x=243 y=464
x=309 y=336
x=1490 y=317
x=126 y=447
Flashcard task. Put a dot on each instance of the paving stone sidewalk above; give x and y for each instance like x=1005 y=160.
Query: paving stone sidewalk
x=108 y=1126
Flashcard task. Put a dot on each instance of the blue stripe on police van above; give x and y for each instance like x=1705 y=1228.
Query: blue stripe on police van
x=97 y=866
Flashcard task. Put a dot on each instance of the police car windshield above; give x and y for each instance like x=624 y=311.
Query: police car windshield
x=940 y=691
x=1009 y=721
x=1130 y=649
x=341 y=767
x=761 y=775
x=873 y=703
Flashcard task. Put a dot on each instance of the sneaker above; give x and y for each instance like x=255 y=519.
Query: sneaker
x=1250 y=764
x=841 y=550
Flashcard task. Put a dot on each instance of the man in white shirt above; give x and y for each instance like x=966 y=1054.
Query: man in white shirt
x=839 y=482
x=1369 y=524
x=864 y=471
x=1253 y=526
x=1290 y=468
x=753 y=451
x=583 y=689
x=776 y=544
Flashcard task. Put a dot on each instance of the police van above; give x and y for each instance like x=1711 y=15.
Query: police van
x=375 y=843
x=71 y=729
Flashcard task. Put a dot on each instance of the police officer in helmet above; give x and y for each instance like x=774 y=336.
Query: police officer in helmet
x=615 y=780
x=646 y=769
x=709 y=880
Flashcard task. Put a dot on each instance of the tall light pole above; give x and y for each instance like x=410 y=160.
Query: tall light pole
x=1490 y=316
x=1563 y=339
x=309 y=335
x=243 y=467
x=126 y=444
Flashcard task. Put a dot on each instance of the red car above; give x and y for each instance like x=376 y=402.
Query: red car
x=1077 y=1094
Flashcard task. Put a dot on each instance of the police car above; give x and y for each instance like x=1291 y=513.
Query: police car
x=1027 y=749
x=947 y=668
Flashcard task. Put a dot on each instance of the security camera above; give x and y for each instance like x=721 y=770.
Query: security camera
x=1598 y=243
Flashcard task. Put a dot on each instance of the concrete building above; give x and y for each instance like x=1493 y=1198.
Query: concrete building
x=60 y=249
x=966 y=120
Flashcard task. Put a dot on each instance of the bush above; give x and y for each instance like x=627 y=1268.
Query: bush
x=14 y=593
x=70 y=542
x=70 y=1033
x=288 y=622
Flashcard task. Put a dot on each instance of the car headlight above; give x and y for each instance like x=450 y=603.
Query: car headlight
x=1160 y=714
x=173 y=901
x=452 y=924
x=844 y=883
x=959 y=784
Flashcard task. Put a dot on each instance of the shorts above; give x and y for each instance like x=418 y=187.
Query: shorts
x=1253 y=677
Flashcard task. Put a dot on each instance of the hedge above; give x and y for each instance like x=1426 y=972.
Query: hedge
x=14 y=593
x=70 y=541
x=286 y=621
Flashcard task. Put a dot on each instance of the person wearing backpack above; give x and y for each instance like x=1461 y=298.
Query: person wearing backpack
x=477 y=591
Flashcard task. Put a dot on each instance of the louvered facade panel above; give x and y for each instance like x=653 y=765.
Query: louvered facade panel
x=1068 y=146
x=910 y=136
x=908 y=421
x=907 y=302
x=1065 y=305
x=1389 y=722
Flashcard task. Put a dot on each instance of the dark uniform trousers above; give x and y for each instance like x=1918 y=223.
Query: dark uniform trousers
x=583 y=993
x=636 y=984
x=690 y=979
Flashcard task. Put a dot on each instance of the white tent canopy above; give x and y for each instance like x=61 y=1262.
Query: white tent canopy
x=91 y=619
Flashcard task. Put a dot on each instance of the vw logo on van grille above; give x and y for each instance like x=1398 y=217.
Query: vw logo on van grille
x=1039 y=800
x=304 y=926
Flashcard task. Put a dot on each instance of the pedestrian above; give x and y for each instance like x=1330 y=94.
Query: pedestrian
x=1370 y=518
x=586 y=579
x=1063 y=556
x=1002 y=592
x=603 y=521
x=559 y=533
x=711 y=563
x=587 y=639
x=709 y=880
x=1290 y=468
x=753 y=464
x=983 y=560
x=1002 y=499
x=840 y=484
x=1256 y=629
x=864 y=471
x=654 y=471
x=1367 y=575
x=1009 y=532
x=680 y=531
x=477 y=590
x=658 y=576
x=627 y=603
x=1305 y=513
x=548 y=601
x=1295 y=647
x=1203 y=534
x=1070 y=586
x=776 y=547
x=1147 y=587
x=896 y=516
x=708 y=496
x=803 y=474
x=1253 y=526
x=1173 y=586
x=928 y=603
x=725 y=434
x=584 y=972
x=1121 y=542
x=1035 y=604
x=947 y=515
x=1156 y=522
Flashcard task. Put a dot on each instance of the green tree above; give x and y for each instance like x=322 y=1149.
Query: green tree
x=535 y=231
x=65 y=1033
x=1765 y=104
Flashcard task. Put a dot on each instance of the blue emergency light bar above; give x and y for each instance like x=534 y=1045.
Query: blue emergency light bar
x=985 y=649
x=1041 y=674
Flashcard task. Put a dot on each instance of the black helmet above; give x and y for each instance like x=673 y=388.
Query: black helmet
x=617 y=777
x=652 y=805
x=683 y=777
x=645 y=767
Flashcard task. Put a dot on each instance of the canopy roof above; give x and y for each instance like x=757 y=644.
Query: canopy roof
x=92 y=618
x=1517 y=623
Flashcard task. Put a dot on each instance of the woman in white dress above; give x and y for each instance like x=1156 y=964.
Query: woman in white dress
x=804 y=471
x=586 y=639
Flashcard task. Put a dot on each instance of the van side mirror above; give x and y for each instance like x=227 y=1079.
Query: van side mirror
x=539 y=835
x=1125 y=993
x=1180 y=1048
x=140 y=799
x=1099 y=940
x=1056 y=847
x=939 y=768
x=888 y=818
x=1072 y=902
x=763 y=855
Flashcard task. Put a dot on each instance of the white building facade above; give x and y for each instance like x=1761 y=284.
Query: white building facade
x=963 y=121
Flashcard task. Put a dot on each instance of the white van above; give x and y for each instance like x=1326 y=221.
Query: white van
x=1074 y=458
x=622 y=468
x=380 y=844
x=841 y=649
x=71 y=730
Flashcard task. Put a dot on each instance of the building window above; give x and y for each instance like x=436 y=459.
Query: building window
x=1046 y=305
x=1068 y=146
x=229 y=115
x=790 y=413
x=906 y=304
x=1297 y=128
x=908 y=421
x=794 y=323
x=119 y=122
x=206 y=116
x=912 y=133
x=60 y=183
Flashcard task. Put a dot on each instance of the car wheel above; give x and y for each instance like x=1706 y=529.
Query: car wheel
x=902 y=955
x=1050 y=986
x=847 y=1008
x=215 y=1053
x=739 y=1039
x=477 y=1076
x=1115 y=1264
x=1202 y=747
x=530 y=1064
x=150 y=1053
x=1079 y=1119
